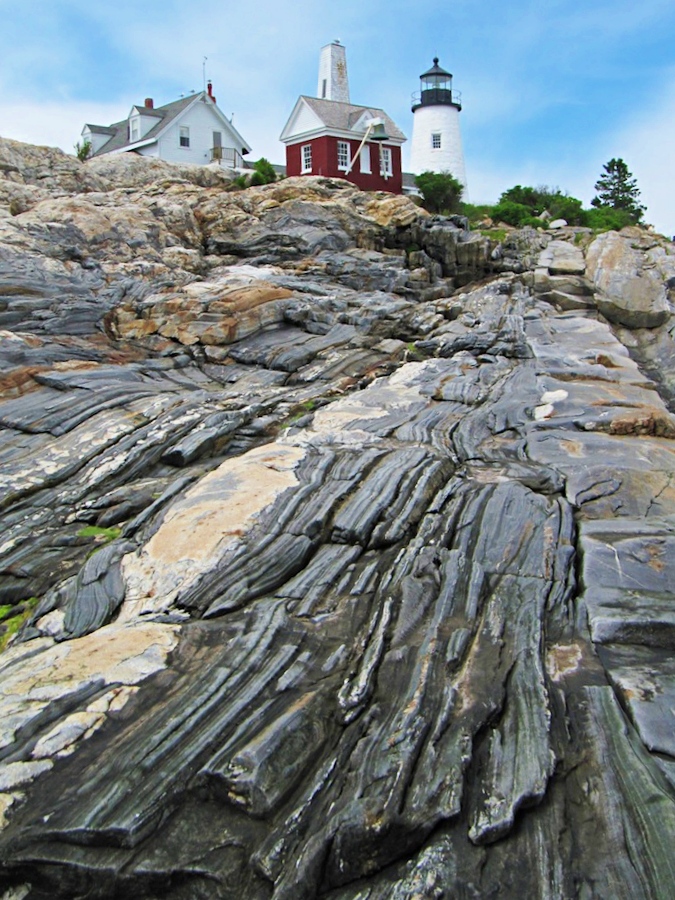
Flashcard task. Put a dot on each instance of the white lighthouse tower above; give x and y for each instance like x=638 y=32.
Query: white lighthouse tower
x=436 y=139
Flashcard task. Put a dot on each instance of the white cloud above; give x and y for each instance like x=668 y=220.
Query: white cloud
x=55 y=124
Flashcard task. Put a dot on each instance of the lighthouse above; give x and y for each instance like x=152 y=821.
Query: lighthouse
x=436 y=138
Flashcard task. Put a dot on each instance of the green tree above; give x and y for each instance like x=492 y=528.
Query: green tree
x=531 y=197
x=617 y=189
x=562 y=206
x=83 y=150
x=441 y=192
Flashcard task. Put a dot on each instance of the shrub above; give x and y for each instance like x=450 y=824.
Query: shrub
x=516 y=214
x=441 y=191
x=264 y=169
x=540 y=199
x=604 y=218
x=476 y=213
x=526 y=196
x=562 y=206
x=83 y=150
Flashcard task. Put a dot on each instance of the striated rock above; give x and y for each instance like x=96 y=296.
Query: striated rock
x=325 y=572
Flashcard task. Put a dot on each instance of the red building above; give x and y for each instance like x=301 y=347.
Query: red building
x=325 y=136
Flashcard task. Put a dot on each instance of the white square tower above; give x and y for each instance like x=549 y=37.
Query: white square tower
x=333 y=81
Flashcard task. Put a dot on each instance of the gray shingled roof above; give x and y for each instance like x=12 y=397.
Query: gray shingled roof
x=164 y=115
x=343 y=116
x=100 y=129
x=149 y=111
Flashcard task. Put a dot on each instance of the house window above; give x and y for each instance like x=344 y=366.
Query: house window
x=364 y=156
x=324 y=85
x=436 y=141
x=134 y=130
x=307 y=158
x=184 y=140
x=386 y=169
x=343 y=155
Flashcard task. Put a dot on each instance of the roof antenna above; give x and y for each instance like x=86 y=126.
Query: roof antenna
x=204 y=73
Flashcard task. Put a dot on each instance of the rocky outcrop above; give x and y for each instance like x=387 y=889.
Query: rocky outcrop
x=336 y=554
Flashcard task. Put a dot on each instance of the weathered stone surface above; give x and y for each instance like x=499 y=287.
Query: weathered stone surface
x=562 y=258
x=631 y=292
x=321 y=576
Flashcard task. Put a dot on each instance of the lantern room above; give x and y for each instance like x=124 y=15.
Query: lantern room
x=436 y=89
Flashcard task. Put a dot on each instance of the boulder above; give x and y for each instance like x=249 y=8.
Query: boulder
x=562 y=258
x=631 y=290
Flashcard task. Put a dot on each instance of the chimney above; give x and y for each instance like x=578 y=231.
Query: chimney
x=209 y=88
x=149 y=103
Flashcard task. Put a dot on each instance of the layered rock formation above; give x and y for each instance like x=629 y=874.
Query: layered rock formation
x=338 y=545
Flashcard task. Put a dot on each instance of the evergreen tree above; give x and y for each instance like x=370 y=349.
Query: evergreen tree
x=263 y=172
x=617 y=189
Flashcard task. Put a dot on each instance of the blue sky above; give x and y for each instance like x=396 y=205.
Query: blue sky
x=551 y=89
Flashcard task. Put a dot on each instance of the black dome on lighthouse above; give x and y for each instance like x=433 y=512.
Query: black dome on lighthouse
x=436 y=89
x=436 y=70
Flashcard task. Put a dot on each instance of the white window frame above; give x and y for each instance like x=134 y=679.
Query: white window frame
x=343 y=156
x=184 y=137
x=364 y=159
x=386 y=163
x=134 y=130
x=306 y=158
x=436 y=140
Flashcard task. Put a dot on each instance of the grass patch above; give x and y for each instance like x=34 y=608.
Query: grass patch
x=302 y=409
x=414 y=354
x=495 y=234
x=105 y=534
x=14 y=623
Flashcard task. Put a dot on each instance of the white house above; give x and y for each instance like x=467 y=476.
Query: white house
x=190 y=130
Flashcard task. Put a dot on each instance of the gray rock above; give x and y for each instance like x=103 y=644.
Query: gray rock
x=562 y=258
x=630 y=291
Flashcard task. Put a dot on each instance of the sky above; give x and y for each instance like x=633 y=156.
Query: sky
x=551 y=90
